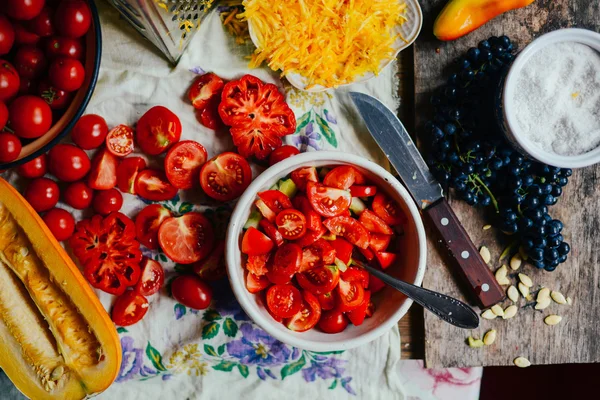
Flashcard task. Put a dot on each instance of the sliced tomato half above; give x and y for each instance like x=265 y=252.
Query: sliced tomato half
x=341 y=177
x=271 y=231
x=204 y=89
x=275 y=200
x=319 y=280
x=256 y=284
x=350 y=294
x=317 y=254
x=313 y=220
x=186 y=239
x=152 y=277
x=129 y=308
x=153 y=185
x=291 y=224
x=303 y=175
x=310 y=237
x=379 y=241
x=225 y=176
x=119 y=141
x=147 y=223
x=103 y=173
x=350 y=229
x=284 y=300
x=388 y=210
x=308 y=316
x=184 y=162
x=357 y=315
x=255 y=243
x=285 y=264
x=373 y=223
x=352 y=274
x=127 y=173
x=327 y=201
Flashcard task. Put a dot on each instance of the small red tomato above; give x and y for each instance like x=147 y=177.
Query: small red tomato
x=10 y=147
x=205 y=88
x=119 y=141
x=35 y=168
x=27 y=86
x=282 y=153
x=66 y=73
x=157 y=130
x=89 y=132
x=56 y=98
x=42 y=24
x=9 y=80
x=30 y=116
x=107 y=201
x=129 y=308
x=183 y=163
x=30 y=62
x=7 y=35
x=42 y=194
x=127 y=172
x=60 y=222
x=103 y=173
x=3 y=115
x=23 y=10
x=333 y=321
x=192 y=292
x=209 y=116
x=68 y=162
x=147 y=223
x=78 y=195
x=73 y=18
x=58 y=46
x=151 y=279
x=23 y=36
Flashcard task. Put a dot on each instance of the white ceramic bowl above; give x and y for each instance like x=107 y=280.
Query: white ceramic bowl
x=390 y=305
x=409 y=31
x=511 y=127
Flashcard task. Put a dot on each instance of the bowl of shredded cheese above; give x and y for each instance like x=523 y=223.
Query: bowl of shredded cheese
x=323 y=44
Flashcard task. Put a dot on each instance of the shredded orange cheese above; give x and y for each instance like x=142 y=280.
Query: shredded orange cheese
x=329 y=42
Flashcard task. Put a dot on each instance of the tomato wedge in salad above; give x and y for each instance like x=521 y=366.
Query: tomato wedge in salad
x=255 y=243
x=257 y=265
x=327 y=201
x=388 y=210
x=282 y=153
x=327 y=301
x=147 y=223
x=350 y=294
x=291 y=224
x=317 y=254
x=284 y=300
x=350 y=229
x=319 y=280
x=271 y=232
x=363 y=191
x=358 y=314
x=151 y=279
x=127 y=172
x=205 y=88
x=275 y=200
x=342 y=177
x=285 y=263
x=153 y=185
x=184 y=162
x=225 y=176
x=343 y=249
x=186 y=239
x=256 y=284
x=302 y=176
x=379 y=242
x=373 y=223
x=308 y=316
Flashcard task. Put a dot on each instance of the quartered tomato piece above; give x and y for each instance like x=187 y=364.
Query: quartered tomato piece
x=282 y=153
x=363 y=191
x=388 y=210
x=367 y=253
x=327 y=301
x=103 y=173
x=310 y=237
x=313 y=220
x=303 y=175
x=205 y=88
x=319 y=280
x=386 y=259
x=119 y=141
x=340 y=177
x=212 y=268
x=343 y=249
x=157 y=130
x=127 y=173
x=327 y=201
x=255 y=243
x=285 y=264
x=356 y=274
x=316 y=255
x=147 y=223
x=256 y=284
x=129 y=308
x=186 y=239
x=153 y=185
x=375 y=284
x=308 y=316
x=275 y=200
x=257 y=265
x=184 y=162
x=373 y=223
x=357 y=315
x=265 y=211
x=350 y=229
x=379 y=241
x=225 y=176
x=284 y=300
x=350 y=294
x=333 y=321
x=271 y=232
x=151 y=279
x=291 y=224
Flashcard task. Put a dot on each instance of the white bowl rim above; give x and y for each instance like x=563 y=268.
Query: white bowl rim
x=583 y=36
x=236 y=224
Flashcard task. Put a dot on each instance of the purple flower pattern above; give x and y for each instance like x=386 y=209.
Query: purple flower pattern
x=307 y=139
x=257 y=347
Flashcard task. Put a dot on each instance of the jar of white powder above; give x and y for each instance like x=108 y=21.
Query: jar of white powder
x=551 y=99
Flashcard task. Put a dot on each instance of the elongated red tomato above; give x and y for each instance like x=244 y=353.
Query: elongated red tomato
x=308 y=316
x=271 y=231
x=127 y=172
x=327 y=201
x=186 y=239
x=151 y=279
x=340 y=177
x=284 y=300
x=351 y=294
x=119 y=141
x=225 y=176
x=303 y=175
x=152 y=184
x=363 y=191
x=255 y=243
x=192 y=292
x=184 y=162
x=350 y=229
x=157 y=130
x=256 y=284
x=388 y=210
x=129 y=308
x=319 y=280
x=291 y=224
x=373 y=223
x=285 y=264
x=147 y=223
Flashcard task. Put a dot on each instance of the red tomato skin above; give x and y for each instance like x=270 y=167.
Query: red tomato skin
x=282 y=153
x=10 y=147
x=66 y=73
x=324 y=201
x=341 y=177
x=343 y=249
x=42 y=25
x=107 y=201
x=58 y=46
x=357 y=315
x=157 y=130
x=73 y=18
x=373 y=223
x=3 y=115
x=78 y=195
x=130 y=300
x=192 y=292
x=7 y=35
x=327 y=301
x=386 y=259
x=184 y=162
x=35 y=168
x=284 y=293
x=255 y=243
x=387 y=210
x=271 y=231
x=152 y=277
x=56 y=98
x=375 y=284
x=363 y=191
x=205 y=88
x=42 y=194
x=333 y=321
x=350 y=229
x=147 y=223
x=30 y=117
x=30 y=62
x=209 y=116
x=256 y=284
x=9 y=81
x=103 y=172
x=24 y=36
x=60 y=222
x=119 y=141
x=89 y=132
x=310 y=309
x=127 y=172
x=144 y=190
x=68 y=162
x=234 y=166
x=23 y=10
x=302 y=176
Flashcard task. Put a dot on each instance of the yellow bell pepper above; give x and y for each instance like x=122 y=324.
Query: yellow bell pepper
x=460 y=17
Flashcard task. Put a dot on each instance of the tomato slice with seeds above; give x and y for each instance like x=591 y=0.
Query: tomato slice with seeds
x=388 y=210
x=153 y=185
x=255 y=243
x=317 y=254
x=205 y=88
x=148 y=222
x=352 y=274
x=357 y=315
x=257 y=265
x=373 y=223
x=363 y=191
x=184 y=162
x=313 y=220
x=310 y=237
x=350 y=229
x=129 y=308
x=343 y=249
x=291 y=224
x=119 y=141
x=303 y=175
x=284 y=300
x=225 y=176
x=379 y=241
x=308 y=316
x=157 y=130
x=151 y=279
x=127 y=172
x=103 y=172
x=275 y=200
x=386 y=259
x=350 y=294
x=327 y=301
x=186 y=239
x=271 y=232
x=212 y=268
x=327 y=201
x=340 y=177
x=319 y=280
x=285 y=264
x=256 y=284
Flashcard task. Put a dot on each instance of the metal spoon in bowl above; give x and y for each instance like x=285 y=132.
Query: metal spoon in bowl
x=447 y=308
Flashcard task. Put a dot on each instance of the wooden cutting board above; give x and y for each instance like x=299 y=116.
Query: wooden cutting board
x=575 y=339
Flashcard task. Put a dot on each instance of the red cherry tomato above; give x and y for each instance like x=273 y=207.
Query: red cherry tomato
x=147 y=223
x=42 y=194
x=10 y=147
x=209 y=116
x=350 y=229
x=192 y=292
x=282 y=153
x=302 y=176
x=363 y=191
x=388 y=210
x=66 y=73
x=308 y=316
x=186 y=239
x=107 y=201
x=284 y=300
x=320 y=280
x=256 y=284
x=30 y=116
x=103 y=173
x=151 y=279
x=73 y=18
x=89 y=132
x=68 y=162
x=328 y=201
x=3 y=115
x=30 y=62
x=291 y=224
x=333 y=321
x=255 y=243
x=184 y=162
x=152 y=184
x=23 y=10
x=27 y=86
x=119 y=141
x=9 y=81
x=59 y=46
x=205 y=88
x=317 y=254
x=60 y=222
x=275 y=200
x=343 y=249
x=327 y=301
x=352 y=274
x=35 y=168
x=129 y=308
x=42 y=25
x=78 y=195
x=225 y=176
x=56 y=98
x=157 y=130
x=286 y=263
x=127 y=172
x=373 y=223
x=7 y=35
x=24 y=36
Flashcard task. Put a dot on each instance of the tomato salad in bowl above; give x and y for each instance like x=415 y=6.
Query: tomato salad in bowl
x=292 y=240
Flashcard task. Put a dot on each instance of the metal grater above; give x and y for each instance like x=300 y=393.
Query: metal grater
x=168 y=24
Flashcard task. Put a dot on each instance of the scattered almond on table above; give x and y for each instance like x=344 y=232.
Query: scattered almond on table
x=513 y=294
x=558 y=297
x=552 y=319
x=501 y=277
x=515 y=262
x=485 y=254
x=490 y=337
x=510 y=312
x=522 y=362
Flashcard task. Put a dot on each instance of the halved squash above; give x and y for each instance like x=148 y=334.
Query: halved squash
x=56 y=339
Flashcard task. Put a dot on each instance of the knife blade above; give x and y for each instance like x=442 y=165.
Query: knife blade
x=400 y=150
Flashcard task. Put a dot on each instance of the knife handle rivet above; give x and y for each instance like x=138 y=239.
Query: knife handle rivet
x=465 y=254
x=485 y=287
x=445 y=221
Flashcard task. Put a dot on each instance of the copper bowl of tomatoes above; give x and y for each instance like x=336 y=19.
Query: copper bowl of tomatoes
x=50 y=53
x=291 y=242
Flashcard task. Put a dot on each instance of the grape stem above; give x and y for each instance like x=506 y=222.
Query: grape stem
x=487 y=189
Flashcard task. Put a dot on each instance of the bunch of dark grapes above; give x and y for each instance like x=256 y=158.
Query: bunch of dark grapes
x=470 y=154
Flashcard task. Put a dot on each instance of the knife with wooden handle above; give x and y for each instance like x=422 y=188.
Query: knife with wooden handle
x=397 y=145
